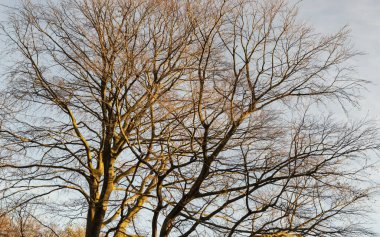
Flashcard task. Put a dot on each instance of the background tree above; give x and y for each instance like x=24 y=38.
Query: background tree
x=7 y=227
x=182 y=118
x=23 y=223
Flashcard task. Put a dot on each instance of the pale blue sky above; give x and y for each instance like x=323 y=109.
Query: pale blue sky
x=363 y=18
x=327 y=16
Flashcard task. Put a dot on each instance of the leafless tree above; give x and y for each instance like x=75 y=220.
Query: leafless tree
x=23 y=223
x=182 y=118
x=6 y=226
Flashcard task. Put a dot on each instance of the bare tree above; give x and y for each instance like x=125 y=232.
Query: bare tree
x=23 y=223
x=182 y=118
x=7 y=228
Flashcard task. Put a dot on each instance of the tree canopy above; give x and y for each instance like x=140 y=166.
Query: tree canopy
x=182 y=118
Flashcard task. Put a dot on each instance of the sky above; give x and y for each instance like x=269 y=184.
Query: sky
x=328 y=16
x=363 y=19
